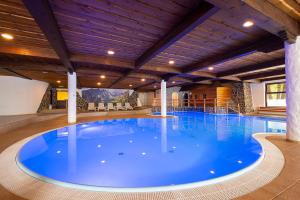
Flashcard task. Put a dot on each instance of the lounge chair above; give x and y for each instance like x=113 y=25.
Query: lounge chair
x=110 y=106
x=119 y=106
x=101 y=106
x=91 y=107
x=128 y=106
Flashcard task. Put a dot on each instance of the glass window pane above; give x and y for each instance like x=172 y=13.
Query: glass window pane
x=276 y=87
x=276 y=99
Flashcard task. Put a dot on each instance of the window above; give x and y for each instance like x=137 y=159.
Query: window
x=275 y=94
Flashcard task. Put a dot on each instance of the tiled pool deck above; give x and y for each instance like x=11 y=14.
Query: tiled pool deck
x=282 y=187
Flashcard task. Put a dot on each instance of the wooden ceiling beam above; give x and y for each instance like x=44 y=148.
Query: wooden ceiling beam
x=266 y=44
x=32 y=66
x=197 y=16
x=282 y=19
x=102 y=60
x=27 y=51
x=264 y=74
x=254 y=67
x=17 y=73
x=145 y=85
x=272 y=79
x=144 y=75
x=264 y=14
x=123 y=77
x=42 y=13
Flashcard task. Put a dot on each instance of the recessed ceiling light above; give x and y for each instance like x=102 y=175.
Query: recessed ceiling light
x=7 y=36
x=143 y=80
x=103 y=76
x=173 y=82
x=248 y=23
x=110 y=52
x=45 y=72
x=210 y=68
x=130 y=85
x=58 y=81
x=98 y=83
x=171 y=62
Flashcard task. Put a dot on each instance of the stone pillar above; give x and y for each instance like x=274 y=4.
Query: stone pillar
x=292 y=71
x=71 y=97
x=163 y=98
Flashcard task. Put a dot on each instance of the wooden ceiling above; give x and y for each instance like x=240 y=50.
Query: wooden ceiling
x=205 y=39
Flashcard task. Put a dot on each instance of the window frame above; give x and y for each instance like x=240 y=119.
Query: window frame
x=266 y=90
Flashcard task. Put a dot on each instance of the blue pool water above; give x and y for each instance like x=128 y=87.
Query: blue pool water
x=148 y=152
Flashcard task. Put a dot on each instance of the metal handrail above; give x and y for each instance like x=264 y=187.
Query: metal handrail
x=192 y=103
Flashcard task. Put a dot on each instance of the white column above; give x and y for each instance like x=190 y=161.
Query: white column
x=72 y=97
x=163 y=98
x=292 y=71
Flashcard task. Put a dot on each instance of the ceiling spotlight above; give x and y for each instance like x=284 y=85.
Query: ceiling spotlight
x=45 y=72
x=102 y=76
x=7 y=36
x=110 y=52
x=248 y=23
x=143 y=80
x=130 y=85
x=171 y=62
x=210 y=68
x=98 y=83
x=173 y=82
x=58 y=81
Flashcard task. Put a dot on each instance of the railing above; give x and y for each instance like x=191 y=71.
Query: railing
x=212 y=105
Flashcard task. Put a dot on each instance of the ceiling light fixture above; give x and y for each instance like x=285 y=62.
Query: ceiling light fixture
x=171 y=62
x=143 y=80
x=110 y=52
x=248 y=23
x=58 y=81
x=130 y=85
x=173 y=82
x=7 y=36
x=45 y=72
x=155 y=86
x=98 y=83
x=102 y=76
x=210 y=68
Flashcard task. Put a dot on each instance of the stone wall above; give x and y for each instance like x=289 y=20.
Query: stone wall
x=241 y=94
x=132 y=99
x=46 y=101
x=82 y=104
x=44 y=105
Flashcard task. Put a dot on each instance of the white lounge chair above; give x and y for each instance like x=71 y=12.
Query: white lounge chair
x=119 y=106
x=110 y=106
x=91 y=107
x=101 y=106
x=128 y=106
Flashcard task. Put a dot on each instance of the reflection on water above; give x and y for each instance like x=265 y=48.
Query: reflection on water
x=191 y=147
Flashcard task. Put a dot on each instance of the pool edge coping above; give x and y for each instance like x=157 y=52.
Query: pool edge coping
x=13 y=168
